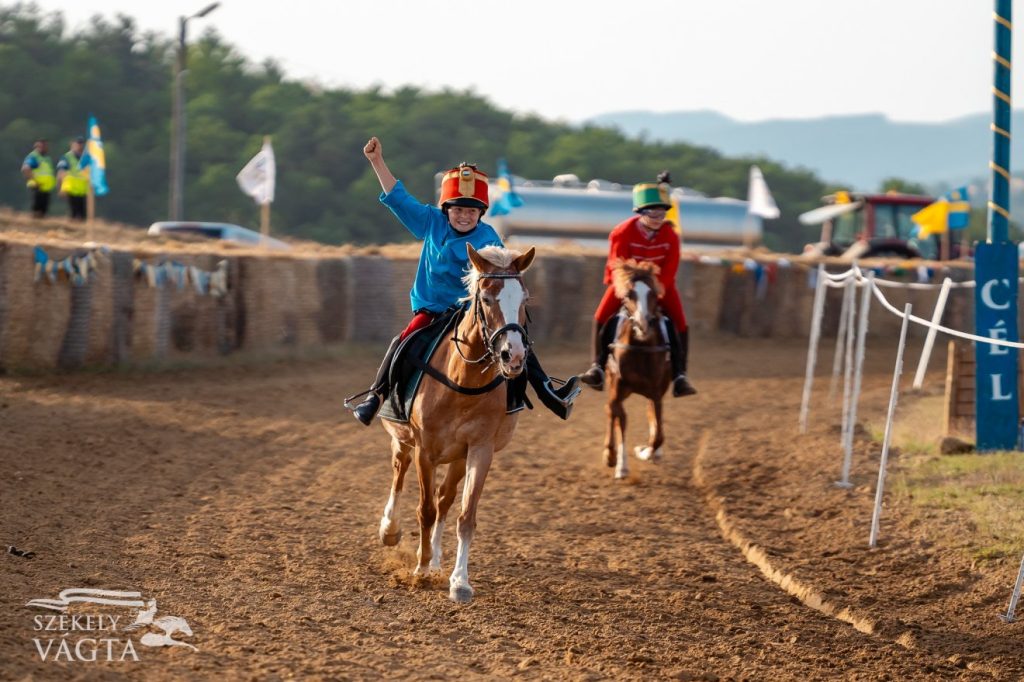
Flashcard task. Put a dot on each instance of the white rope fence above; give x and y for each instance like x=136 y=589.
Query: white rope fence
x=872 y=287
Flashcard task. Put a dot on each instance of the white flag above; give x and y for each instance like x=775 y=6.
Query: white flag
x=258 y=177
x=760 y=199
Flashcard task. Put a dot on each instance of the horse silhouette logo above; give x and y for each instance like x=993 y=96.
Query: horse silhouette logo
x=170 y=625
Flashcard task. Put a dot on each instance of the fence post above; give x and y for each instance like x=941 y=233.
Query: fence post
x=858 y=373
x=873 y=540
x=841 y=335
x=926 y=352
x=812 y=344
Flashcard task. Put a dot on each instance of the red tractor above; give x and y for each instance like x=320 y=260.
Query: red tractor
x=856 y=225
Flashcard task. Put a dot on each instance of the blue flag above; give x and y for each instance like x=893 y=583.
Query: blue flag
x=508 y=199
x=97 y=159
x=959 y=208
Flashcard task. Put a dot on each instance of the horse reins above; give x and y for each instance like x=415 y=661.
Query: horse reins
x=491 y=340
x=646 y=349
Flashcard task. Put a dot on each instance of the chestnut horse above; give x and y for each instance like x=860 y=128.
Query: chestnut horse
x=639 y=362
x=458 y=418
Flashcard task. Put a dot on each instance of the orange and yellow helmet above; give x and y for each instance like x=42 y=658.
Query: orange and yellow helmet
x=464 y=185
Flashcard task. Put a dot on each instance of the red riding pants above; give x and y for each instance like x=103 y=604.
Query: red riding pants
x=670 y=305
x=419 y=321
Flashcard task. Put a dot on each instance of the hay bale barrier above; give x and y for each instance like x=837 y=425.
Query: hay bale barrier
x=315 y=296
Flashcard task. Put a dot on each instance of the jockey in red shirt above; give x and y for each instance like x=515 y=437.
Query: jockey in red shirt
x=644 y=237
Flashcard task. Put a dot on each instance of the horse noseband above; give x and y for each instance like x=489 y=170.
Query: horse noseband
x=511 y=327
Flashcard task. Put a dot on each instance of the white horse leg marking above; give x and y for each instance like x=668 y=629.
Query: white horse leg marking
x=622 y=463
x=459 y=588
x=390 y=531
x=478 y=462
x=435 y=545
x=647 y=454
x=458 y=583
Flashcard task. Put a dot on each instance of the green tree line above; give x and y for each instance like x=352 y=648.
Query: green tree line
x=52 y=80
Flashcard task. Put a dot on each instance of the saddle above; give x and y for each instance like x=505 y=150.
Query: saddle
x=414 y=354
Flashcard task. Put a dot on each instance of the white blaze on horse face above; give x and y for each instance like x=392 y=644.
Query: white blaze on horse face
x=642 y=311
x=435 y=545
x=510 y=300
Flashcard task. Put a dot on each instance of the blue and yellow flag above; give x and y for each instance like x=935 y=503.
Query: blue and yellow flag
x=959 y=208
x=97 y=159
x=952 y=211
x=508 y=199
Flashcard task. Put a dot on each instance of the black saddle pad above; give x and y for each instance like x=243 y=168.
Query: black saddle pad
x=405 y=376
x=415 y=352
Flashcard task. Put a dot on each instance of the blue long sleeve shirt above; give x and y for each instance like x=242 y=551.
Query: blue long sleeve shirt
x=443 y=259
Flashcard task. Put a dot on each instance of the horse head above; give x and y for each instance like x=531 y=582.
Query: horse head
x=637 y=285
x=499 y=296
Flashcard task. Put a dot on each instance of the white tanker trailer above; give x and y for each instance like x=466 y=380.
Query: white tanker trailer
x=567 y=210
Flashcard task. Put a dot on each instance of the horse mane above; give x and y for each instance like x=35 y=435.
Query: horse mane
x=626 y=271
x=498 y=256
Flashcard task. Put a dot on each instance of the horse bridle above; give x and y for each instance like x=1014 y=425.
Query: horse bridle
x=491 y=338
x=658 y=319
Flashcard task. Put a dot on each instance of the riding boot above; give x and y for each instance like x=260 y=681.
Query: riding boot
x=679 y=350
x=558 y=400
x=594 y=377
x=367 y=410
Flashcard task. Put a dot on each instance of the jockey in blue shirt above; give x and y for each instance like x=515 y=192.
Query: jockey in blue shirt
x=445 y=231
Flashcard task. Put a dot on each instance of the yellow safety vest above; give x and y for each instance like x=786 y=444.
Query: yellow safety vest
x=43 y=173
x=76 y=181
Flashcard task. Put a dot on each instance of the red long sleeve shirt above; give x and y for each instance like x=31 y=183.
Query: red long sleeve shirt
x=629 y=240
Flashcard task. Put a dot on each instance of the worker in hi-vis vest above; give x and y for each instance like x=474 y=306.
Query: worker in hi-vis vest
x=73 y=178
x=38 y=171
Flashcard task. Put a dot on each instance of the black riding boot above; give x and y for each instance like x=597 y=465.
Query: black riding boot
x=602 y=337
x=558 y=400
x=679 y=350
x=367 y=410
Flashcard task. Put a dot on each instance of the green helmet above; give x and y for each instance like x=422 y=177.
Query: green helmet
x=651 y=195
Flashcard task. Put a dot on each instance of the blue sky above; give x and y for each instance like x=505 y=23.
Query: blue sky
x=913 y=60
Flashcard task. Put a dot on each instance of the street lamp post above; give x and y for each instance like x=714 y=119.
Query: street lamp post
x=176 y=193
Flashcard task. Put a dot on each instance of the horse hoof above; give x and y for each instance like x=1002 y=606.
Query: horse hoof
x=390 y=539
x=610 y=458
x=643 y=454
x=462 y=594
x=621 y=475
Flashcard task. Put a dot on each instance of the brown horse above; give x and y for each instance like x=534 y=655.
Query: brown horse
x=639 y=362
x=458 y=418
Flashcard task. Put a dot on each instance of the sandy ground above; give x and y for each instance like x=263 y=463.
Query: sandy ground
x=246 y=503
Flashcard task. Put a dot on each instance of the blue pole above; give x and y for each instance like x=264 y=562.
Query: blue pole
x=999 y=203
x=996 y=266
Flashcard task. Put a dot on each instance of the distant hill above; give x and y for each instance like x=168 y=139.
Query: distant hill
x=859 y=150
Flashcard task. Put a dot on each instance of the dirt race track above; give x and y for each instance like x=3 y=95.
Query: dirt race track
x=243 y=501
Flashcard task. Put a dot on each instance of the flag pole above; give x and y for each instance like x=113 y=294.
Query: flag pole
x=996 y=268
x=265 y=208
x=90 y=209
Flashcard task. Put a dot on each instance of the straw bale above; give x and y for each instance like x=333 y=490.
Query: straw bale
x=122 y=280
x=702 y=299
x=37 y=313
x=332 y=283
x=376 y=286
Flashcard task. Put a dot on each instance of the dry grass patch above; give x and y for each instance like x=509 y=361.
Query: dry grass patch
x=980 y=498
